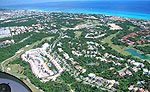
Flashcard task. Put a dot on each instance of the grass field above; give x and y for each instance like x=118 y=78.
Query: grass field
x=15 y=68
x=17 y=71
x=120 y=49
x=78 y=34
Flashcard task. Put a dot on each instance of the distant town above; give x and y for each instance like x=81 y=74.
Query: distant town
x=69 y=52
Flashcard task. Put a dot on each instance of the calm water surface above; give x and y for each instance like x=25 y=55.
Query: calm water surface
x=135 y=53
x=131 y=9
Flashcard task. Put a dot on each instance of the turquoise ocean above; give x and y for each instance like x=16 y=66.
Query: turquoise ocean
x=129 y=9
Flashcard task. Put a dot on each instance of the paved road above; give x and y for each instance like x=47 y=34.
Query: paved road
x=54 y=43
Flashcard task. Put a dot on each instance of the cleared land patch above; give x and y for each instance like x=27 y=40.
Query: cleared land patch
x=77 y=34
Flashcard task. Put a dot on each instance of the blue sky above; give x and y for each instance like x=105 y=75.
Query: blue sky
x=10 y=2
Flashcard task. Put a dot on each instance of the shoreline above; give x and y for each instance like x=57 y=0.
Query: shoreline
x=128 y=15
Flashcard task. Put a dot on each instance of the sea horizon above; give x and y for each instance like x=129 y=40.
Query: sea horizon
x=132 y=9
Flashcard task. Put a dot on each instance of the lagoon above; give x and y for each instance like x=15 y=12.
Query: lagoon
x=136 y=53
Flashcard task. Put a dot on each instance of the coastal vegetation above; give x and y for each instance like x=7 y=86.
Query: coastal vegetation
x=89 y=49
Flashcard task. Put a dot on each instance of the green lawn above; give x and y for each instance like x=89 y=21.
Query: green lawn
x=120 y=49
x=78 y=34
